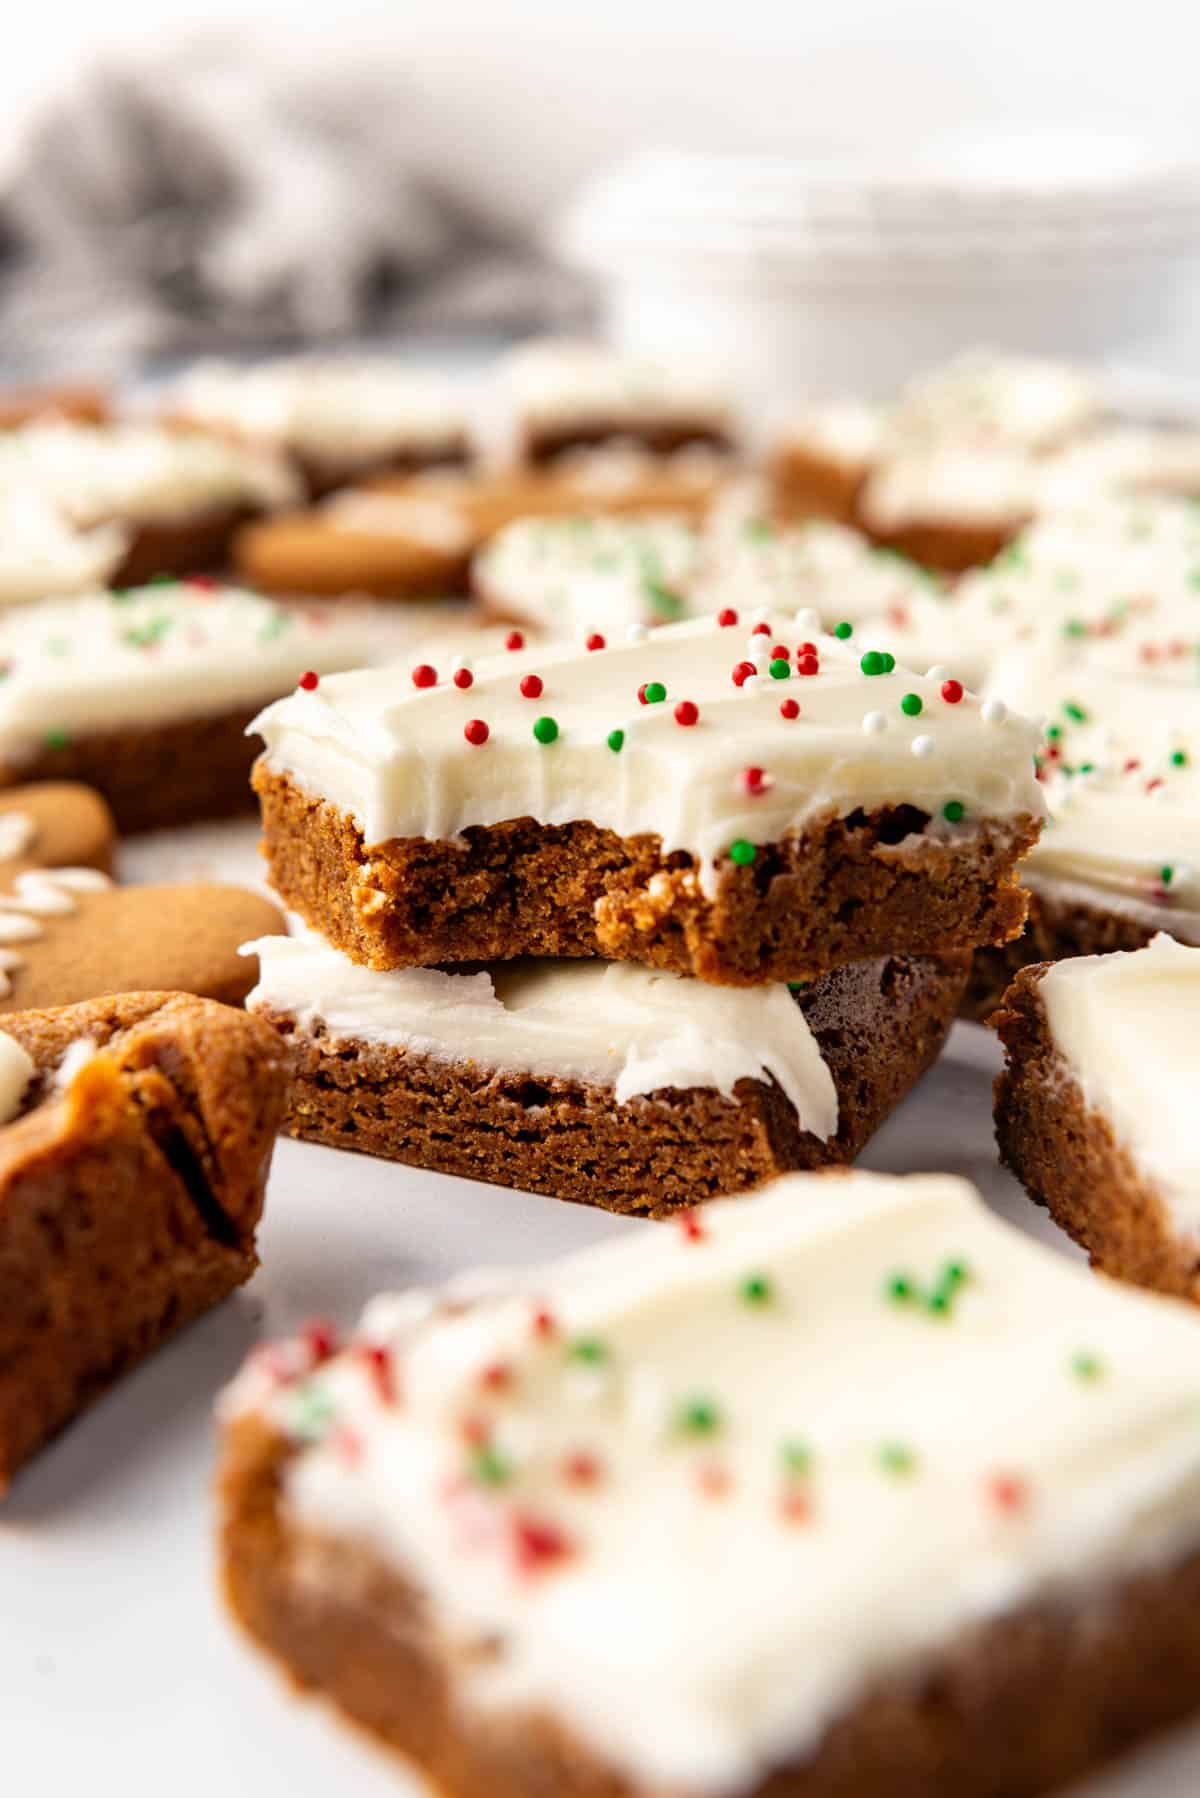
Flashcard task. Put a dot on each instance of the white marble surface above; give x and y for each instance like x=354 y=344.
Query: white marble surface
x=116 y=1663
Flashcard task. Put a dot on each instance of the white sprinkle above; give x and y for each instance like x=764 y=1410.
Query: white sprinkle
x=808 y=621
x=874 y=723
x=750 y=684
x=758 y=650
x=637 y=633
x=937 y=672
x=923 y=746
x=993 y=711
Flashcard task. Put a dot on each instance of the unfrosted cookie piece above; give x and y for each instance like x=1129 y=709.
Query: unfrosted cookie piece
x=602 y=1082
x=336 y=418
x=847 y=1490
x=402 y=545
x=54 y=824
x=1095 y=1108
x=133 y=1163
x=68 y=934
x=745 y=805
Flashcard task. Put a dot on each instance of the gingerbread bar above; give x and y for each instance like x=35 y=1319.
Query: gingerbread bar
x=389 y=545
x=601 y=1082
x=558 y=394
x=336 y=418
x=740 y=806
x=819 y=463
x=85 y=401
x=145 y=695
x=134 y=1152
x=178 y=496
x=1094 y=1108
x=768 y=1488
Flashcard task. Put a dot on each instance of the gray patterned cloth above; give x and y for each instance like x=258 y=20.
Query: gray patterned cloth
x=208 y=198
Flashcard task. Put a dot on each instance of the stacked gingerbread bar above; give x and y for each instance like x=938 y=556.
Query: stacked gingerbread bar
x=634 y=922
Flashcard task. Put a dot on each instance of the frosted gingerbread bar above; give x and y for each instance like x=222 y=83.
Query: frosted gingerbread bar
x=1095 y=1107
x=145 y=694
x=754 y=1508
x=135 y=1140
x=735 y=801
x=606 y=1083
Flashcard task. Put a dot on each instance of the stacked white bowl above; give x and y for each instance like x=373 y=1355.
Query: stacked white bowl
x=824 y=276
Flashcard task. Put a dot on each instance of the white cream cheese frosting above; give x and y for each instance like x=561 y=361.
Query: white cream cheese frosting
x=43 y=555
x=988 y=399
x=950 y=485
x=718 y=1482
x=555 y=381
x=16 y=1071
x=658 y=736
x=352 y=409
x=1126 y=1026
x=171 y=650
x=415 y=515
x=139 y=473
x=608 y=1024
x=846 y=431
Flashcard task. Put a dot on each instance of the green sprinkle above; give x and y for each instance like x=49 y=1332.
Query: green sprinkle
x=56 y=739
x=755 y=1289
x=1194 y=578
x=1053 y=732
x=145 y=636
x=742 y=852
x=953 y=811
x=545 y=730
x=490 y=1467
x=163 y=580
x=759 y=530
x=843 y=630
x=1087 y=767
x=588 y=1349
x=1166 y=874
x=888 y=660
x=1179 y=758
x=654 y=692
x=699 y=1417
x=912 y=705
x=1075 y=712
x=796 y=986
x=275 y=626
x=796 y=1458
x=779 y=669
x=312 y=1412
x=898 y=1288
x=616 y=740
x=1074 y=627
x=1086 y=1366
x=873 y=662
x=895 y=1458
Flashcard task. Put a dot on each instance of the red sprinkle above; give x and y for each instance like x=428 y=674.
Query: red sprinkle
x=581 y=1469
x=726 y=616
x=544 y=1324
x=781 y=653
x=496 y=1377
x=806 y=649
x=897 y=617
x=687 y=712
x=754 y=781
x=714 y=1482
x=1008 y=1492
x=319 y=1337
x=204 y=583
x=463 y=678
x=596 y=641
x=761 y=629
x=531 y=686
x=347 y=1443
x=514 y=640
x=475 y=1431
x=742 y=672
x=796 y=1506
x=1132 y=764
x=476 y=731
x=378 y=1362
x=789 y=708
x=807 y=664
x=310 y=681
x=952 y=691
x=537 y=1545
x=1152 y=786
x=693 y=1229
x=423 y=675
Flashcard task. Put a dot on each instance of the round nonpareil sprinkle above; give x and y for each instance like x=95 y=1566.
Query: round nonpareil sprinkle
x=874 y=723
x=755 y=1289
x=588 y=1349
x=789 y=708
x=780 y=669
x=923 y=746
x=595 y=641
x=807 y=665
x=652 y=693
x=424 y=675
x=742 y=672
x=687 y=712
x=756 y=781
x=952 y=691
x=698 y=1417
x=741 y=852
x=1086 y=1366
x=912 y=705
x=532 y=686
x=616 y=741
x=726 y=616
x=476 y=731
x=896 y=1458
x=545 y=729
x=844 y=630
x=514 y=640
x=953 y=811
x=993 y=711
x=872 y=663
x=309 y=681
x=463 y=678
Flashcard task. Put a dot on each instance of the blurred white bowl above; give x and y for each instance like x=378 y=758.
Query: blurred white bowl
x=817 y=277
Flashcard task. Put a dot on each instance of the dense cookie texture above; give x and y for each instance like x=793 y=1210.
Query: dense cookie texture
x=68 y=934
x=1093 y=1108
x=441 y=1524
x=131 y=1182
x=611 y=1086
x=390 y=545
x=660 y=801
x=54 y=824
